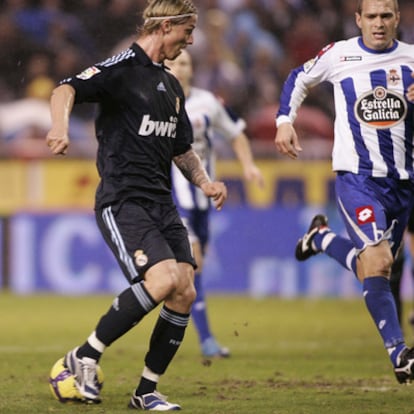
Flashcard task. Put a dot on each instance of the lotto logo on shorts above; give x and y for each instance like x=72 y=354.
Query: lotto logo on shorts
x=365 y=215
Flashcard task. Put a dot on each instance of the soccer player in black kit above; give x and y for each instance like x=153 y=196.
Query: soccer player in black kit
x=141 y=128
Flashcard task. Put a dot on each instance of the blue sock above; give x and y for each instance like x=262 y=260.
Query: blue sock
x=199 y=312
x=381 y=306
x=337 y=247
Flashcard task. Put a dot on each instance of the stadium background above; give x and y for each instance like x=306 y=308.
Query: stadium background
x=49 y=240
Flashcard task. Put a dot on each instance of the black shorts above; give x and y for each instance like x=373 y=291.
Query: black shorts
x=142 y=233
x=410 y=226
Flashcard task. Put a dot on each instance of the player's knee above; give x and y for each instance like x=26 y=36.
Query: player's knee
x=384 y=264
x=381 y=267
x=189 y=294
x=377 y=261
x=171 y=279
x=186 y=292
x=162 y=279
x=185 y=298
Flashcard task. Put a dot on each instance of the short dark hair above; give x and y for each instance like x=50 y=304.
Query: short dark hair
x=359 y=6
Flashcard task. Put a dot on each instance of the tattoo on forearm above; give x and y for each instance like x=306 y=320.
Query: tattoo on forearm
x=190 y=165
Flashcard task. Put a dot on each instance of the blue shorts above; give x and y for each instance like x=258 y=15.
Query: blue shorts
x=374 y=208
x=197 y=223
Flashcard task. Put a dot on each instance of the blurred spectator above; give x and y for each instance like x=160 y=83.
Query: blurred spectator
x=282 y=14
x=15 y=49
x=243 y=59
x=304 y=39
x=23 y=127
x=326 y=12
x=121 y=21
x=93 y=16
x=216 y=65
x=67 y=61
x=261 y=80
x=407 y=22
x=313 y=125
x=248 y=35
x=349 y=28
x=38 y=76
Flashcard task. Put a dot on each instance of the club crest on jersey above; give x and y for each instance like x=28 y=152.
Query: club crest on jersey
x=365 y=215
x=380 y=108
x=393 y=77
x=141 y=259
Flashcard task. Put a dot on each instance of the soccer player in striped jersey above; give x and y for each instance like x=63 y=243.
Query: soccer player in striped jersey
x=208 y=117
x=141 y=128
x=372 y=77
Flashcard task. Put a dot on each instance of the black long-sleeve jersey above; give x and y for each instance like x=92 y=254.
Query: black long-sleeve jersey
x=141 y=125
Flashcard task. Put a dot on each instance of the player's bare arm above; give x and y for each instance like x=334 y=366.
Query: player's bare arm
x=242 y=149
x=190 y=165
x=61 y=104
x=286 y=140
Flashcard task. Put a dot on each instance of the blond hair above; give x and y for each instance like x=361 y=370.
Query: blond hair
x=178 y=11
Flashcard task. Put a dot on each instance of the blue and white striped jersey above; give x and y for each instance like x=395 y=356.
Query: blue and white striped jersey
x=209 y=118
x=374 y=120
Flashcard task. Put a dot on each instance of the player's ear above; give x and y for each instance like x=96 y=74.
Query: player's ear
x=166 y=26
x=397 y=21
x=358 y=20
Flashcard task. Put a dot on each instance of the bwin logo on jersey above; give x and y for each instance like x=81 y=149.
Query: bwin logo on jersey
x=380 y=108
x=158 y=128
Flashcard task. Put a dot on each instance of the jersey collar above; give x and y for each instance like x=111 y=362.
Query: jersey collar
x=141 y=56
x=377 y=52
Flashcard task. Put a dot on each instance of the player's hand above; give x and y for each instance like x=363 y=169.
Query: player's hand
x=217 y=191
x=286 y=141
x=410 y=90
x=57 y=143
x=253 y=174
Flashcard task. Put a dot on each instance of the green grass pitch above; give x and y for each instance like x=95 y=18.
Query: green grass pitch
x=298 y=356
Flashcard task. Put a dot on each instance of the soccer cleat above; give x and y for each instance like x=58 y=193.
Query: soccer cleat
x=405 y=369
x=153 y=401
x=210 y=348
x=84 y=371
x=304 y=248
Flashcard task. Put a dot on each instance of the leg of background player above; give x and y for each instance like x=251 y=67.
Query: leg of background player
x=395 y=281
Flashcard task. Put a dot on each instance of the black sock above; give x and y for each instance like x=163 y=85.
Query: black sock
x=145 y=386
x=166 y=338
x=86 y=350
x=126 y=311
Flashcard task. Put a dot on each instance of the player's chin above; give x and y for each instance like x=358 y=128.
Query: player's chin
x=176 y=53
